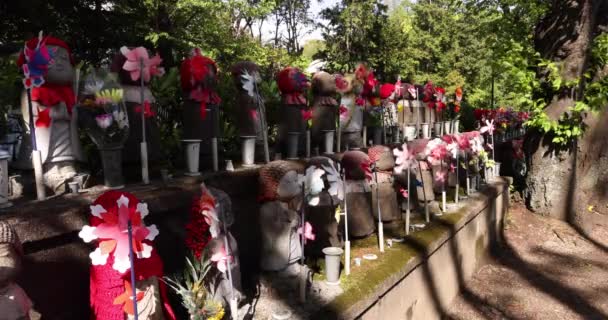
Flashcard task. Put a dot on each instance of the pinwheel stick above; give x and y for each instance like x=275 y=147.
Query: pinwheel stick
x=303 y=277
x=262 y=111
x=36 y=156
x=426 y=206
x=456 y=194
x=443 y=193
x=409 y=194
x=417 y=114
x=132 y=261
x=339 y=137
x=466 y=172
x=380 y=225
x=143 y=146
x=233 y=302
x=346 y=241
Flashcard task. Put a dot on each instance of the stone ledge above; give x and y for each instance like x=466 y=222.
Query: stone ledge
x=351 y=305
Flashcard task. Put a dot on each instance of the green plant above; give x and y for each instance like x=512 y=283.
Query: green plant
x=196 y=290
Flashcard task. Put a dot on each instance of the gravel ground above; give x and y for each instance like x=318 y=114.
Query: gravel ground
x=546 y=270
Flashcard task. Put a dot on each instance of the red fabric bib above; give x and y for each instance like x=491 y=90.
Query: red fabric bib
x=50 y=95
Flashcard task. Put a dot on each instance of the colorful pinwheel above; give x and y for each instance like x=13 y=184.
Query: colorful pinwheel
x=151 y=66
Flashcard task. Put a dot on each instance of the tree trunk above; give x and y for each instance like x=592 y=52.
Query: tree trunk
x=564 y=182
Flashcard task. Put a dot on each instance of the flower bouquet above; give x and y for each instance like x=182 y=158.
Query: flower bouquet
x=103 y=116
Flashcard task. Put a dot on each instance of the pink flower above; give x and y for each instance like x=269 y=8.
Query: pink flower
x=463 y=142
x=151 y=66
x=221 y=259
x=308 y=232
x=360 y=101
x=404 y=193
x=436 y=150
x=104 y=120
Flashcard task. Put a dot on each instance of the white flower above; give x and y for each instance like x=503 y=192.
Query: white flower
x=104 y=120
x=87 y=234
x=336 y=185
x=121 y=119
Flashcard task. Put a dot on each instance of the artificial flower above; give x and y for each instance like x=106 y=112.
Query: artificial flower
x=208 y=208
x=308 y=232
x=121 y=119
x=93 y=86
x=108 y=96
x=404 y=193
x=436 y=150
x=359 y=101
x=104 y=120
x=458 y=95
x=135 y=58
x=341 y=83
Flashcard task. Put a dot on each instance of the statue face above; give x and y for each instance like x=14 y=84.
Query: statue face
x=61 y=70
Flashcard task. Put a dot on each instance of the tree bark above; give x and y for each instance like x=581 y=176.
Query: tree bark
x=564 y=182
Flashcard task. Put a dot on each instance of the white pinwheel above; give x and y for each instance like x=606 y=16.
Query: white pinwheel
x=336 y=185
x=313 y=184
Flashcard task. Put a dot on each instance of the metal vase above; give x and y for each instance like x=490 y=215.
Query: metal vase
x=248 y=151
x=193 y=149
x=111 y=160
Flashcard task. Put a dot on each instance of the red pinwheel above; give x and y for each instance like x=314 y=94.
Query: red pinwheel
x=147 y=109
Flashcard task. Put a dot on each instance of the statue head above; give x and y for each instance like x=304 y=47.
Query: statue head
x=198 y=70
x=61 y=66
x=325 y=84
x=10 y=254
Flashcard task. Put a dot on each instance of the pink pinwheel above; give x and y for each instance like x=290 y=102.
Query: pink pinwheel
x=489 y=127
x=436 y=150
x=403 y=159
x=452 y=167
x=404 y=193
x=308 y=232
x=440 y=176
x=208 y=208
x=113 y=235
x=463 y=142
x=147 y=109
x=151 y=66
x=365 y=166
x=221 y=259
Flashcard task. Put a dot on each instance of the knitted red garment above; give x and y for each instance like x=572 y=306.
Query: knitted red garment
x=106 y=283
x=197 y=230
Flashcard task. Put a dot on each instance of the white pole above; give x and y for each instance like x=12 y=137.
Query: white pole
x=143 y=148
x=380 y=226
x=346 y=241
x=409 y=194
x=233 y=299
x=443 y=193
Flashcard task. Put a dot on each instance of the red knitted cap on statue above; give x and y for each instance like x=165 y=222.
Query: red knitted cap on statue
x=386 y=90
x=49 y=41
x=292 y=80
x=197 y=68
